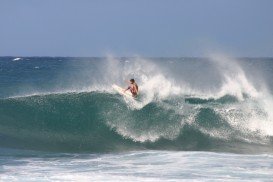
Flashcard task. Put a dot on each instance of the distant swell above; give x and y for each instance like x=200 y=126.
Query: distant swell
x=104 y=122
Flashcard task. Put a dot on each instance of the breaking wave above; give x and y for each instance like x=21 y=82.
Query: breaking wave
x=235 y=117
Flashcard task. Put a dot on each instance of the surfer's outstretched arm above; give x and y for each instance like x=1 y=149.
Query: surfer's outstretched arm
x=126 y=89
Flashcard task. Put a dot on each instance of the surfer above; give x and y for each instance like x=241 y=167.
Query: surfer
x=133 y=87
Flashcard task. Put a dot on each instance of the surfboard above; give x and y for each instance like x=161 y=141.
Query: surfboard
x=121 y=91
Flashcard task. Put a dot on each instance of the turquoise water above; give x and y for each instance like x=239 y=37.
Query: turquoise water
x=195 y=118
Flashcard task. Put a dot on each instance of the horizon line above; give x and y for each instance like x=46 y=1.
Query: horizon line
x=133 y=56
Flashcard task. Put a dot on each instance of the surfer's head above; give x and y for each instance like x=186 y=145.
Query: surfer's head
x=132 y=80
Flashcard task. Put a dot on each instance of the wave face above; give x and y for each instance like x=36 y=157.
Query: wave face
x=170 y=113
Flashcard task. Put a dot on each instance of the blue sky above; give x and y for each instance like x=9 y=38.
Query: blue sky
x=136 y=27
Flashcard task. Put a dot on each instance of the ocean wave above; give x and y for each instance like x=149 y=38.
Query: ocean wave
x=212 y=105
x=101 y=121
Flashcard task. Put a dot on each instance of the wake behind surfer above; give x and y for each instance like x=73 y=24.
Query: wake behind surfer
x=133 y=87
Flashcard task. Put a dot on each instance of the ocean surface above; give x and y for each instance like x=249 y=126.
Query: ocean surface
x=198 y=119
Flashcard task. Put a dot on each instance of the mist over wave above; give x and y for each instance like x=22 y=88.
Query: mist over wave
x=212 y=104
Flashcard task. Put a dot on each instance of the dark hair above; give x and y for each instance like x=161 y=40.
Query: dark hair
x=132 y=80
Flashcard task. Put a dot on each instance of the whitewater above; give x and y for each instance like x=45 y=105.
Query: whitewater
x=203 y=119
